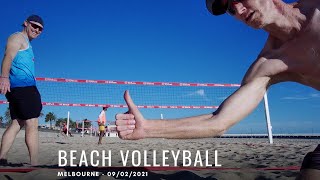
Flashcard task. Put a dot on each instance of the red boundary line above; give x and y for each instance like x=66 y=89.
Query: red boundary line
x=290 y=168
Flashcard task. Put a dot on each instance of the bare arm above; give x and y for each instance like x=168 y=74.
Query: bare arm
x=13 y=46
x=134 y=126
x=237 y=106
x=190 y=127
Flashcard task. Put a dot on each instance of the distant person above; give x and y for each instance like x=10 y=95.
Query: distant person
x=291 y=53
x=65 y=129
x=18 y=83
x=101 y=123
x=61 y=125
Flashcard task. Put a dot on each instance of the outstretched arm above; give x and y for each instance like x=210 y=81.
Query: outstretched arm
x=134 y=126
x=261 y=74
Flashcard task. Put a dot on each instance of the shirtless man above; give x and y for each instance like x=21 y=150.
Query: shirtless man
x=291 y=53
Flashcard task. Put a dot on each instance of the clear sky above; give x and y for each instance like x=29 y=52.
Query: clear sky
x=157 y=41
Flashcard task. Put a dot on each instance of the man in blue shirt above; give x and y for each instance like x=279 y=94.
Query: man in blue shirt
x=18 y=83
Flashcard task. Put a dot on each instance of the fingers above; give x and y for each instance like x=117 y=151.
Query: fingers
x=124 y=116
x=130 y=124
x=4 y=88
x=125 y=128
x=125 y=122
x=123 y=134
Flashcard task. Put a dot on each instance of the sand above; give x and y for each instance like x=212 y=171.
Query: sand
x=239 y=158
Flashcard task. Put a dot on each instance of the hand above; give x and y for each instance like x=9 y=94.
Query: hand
x=130 y=125
x=4 y=85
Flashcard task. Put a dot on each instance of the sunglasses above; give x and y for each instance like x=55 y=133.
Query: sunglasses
x=35 y=26
x=218 y=7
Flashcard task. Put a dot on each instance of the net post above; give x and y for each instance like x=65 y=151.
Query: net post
x=91 y=130
x=267 y=114
x=82 y=128
x=68 y=123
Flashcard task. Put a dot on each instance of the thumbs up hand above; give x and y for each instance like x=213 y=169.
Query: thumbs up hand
x=130 y=125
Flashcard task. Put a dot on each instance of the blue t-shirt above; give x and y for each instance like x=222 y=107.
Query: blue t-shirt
x=22 y=68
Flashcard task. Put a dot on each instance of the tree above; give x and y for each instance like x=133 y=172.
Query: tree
x=87 y=123
x=72 y=124
x=50 y=117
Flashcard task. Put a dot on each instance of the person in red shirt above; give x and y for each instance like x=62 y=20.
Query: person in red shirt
x=65 y=129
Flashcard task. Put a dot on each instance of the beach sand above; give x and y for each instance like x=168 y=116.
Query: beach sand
x=240 y=158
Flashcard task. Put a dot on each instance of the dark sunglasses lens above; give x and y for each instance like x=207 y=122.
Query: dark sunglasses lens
x=36 y=27
x=219 y=7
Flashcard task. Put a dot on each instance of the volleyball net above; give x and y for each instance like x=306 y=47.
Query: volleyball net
x=155 y=99
x=146 y=94
x=98 y=93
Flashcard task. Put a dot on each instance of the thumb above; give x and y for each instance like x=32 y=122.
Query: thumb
x=130 y=103
x=131 y=106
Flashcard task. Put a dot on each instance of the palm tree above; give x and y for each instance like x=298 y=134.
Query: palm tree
x=72 y=124
x=50 y=117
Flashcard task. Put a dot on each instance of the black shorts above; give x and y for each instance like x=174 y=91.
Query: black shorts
x=312 y=160
x=24 y=102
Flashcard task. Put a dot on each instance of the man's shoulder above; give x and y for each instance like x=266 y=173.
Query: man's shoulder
x=16 y=38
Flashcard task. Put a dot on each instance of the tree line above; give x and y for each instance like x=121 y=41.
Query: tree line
x=49 y=117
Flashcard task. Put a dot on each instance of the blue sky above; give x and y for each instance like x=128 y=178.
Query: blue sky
x=169 y=40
